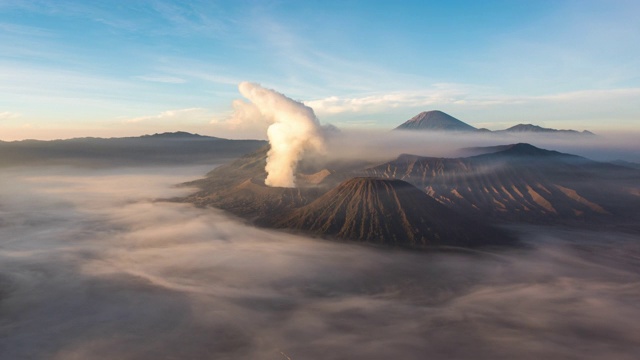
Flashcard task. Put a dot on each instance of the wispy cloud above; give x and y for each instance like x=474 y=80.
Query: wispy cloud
x=162 y=79
x=462 y=95
x=178 y=115
x=211 y=76
x=303 y=65
x=24 y=30
x=189 y=18
x=6 y=115
x=437 y=94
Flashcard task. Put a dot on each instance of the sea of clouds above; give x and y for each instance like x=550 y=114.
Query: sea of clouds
x=93 y=266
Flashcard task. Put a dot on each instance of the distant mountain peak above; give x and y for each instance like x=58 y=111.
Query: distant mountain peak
x=530 y=128
x=527 y=149
x=524 y=150
x=435 y=120
x=175 y=135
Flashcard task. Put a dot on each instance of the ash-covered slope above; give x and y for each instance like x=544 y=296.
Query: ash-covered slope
x=522 y=183
x=388 y=212
x=435 y=120
x=516 y=183
x=238 y=187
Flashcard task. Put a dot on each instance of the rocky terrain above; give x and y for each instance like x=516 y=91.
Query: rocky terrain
x=439 y=201
x=388 y=212
x=522 y=183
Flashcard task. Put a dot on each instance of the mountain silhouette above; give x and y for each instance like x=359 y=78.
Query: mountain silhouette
x=530 y=128
x=157 y=149
x=435 y=120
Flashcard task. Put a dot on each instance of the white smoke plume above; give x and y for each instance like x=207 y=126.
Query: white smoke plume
x=293 y=130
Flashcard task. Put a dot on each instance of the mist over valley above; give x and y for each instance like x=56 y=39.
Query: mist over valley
x=115 y=261
x=93 y=266
x=288 y=180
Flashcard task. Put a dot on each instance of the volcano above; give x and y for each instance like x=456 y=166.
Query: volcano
x=435 y=120
x=522 y=183
x=388 y=212
x=416 y=201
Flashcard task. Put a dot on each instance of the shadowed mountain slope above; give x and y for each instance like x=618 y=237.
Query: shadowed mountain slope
x=388 y=212
x=515 y=184
x=238 y=187
x=521 y=183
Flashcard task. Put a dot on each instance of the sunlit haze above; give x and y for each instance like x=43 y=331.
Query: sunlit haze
x=71 y=68
x=319 y=180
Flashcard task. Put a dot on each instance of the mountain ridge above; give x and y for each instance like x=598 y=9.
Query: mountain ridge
x=156 y=149
x=521 y=183
x=388 y=212
x=515 y=184
x=436 y=120
x=530 y=128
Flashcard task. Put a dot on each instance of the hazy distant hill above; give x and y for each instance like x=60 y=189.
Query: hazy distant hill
x=628 y=164
x=165 y=148
x=436 y=120
x=529 y=128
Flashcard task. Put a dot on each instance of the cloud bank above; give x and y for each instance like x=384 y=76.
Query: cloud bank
x=380 y=146
x=93 y=269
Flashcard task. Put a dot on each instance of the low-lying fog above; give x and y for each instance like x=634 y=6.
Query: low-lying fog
x=386 y=145
x=91 y=267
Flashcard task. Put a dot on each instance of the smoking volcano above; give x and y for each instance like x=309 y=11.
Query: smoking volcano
x=293 y=130
x=388 y=212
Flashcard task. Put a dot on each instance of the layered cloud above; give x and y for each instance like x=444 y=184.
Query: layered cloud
x=595 y=110
x=94 y=269
x=174 y=116
x=6 y=115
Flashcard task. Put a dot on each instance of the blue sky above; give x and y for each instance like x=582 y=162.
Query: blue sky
x=112 y=68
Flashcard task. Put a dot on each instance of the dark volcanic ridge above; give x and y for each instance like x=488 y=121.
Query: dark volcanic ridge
x=436 y=120
x=388 y=212
x=416 y=201
x=521 y=183
x=524 y=150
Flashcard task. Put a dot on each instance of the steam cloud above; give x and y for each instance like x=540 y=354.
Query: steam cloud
x=294 y=129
